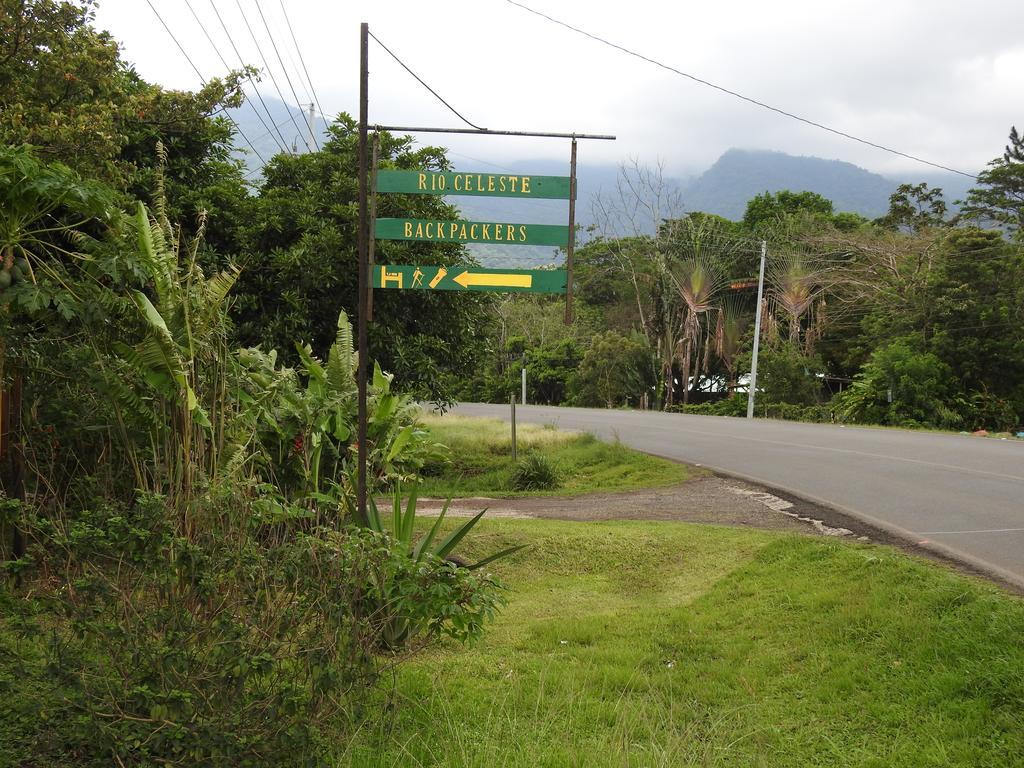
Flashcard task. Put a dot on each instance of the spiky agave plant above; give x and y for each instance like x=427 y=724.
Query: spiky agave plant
x=401 y=527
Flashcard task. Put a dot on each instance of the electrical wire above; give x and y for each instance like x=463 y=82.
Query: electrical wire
x=226 y=65
x=420 y=81
x=276 y=127
x=284 y=69
x=202 y=79
x=266 y=66
x=748 y=99
x=301 y=58
x=241 y=60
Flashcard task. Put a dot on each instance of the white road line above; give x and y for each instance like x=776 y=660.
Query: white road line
x=987 y=530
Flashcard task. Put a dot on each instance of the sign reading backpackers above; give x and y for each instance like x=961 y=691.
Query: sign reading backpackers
x=491 y=232
x=472 y=232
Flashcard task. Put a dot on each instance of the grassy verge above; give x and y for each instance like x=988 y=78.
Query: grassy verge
x=481 y=463
x=665 y=644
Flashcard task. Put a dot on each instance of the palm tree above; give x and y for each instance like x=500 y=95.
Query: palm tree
x=696 y=246
x=795 y=281
x=733 y=318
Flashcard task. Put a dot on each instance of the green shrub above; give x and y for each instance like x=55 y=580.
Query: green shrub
x=201 y=640
x=986 y=411
x=736 y=405
x=535 y=473
x=921 y=386
x=792 y=412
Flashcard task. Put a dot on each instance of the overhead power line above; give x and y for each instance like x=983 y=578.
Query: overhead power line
x=302 y=60
x=420 y=81
x=282 y=143
x=748 y=99
x=223 y=61
x=284 y=69
x=266 y=66
x=203 y=79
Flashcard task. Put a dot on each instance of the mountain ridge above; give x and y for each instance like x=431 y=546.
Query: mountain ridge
x=724 y=188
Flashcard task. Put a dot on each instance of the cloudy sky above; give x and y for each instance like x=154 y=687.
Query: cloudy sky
x=938 y=79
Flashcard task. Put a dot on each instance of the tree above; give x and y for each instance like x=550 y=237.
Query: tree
x=733 y=319
x=913 y=207
x=301 y=267
x=973 y=319
x=696 y=246
x=65 y=90
x=786 y=374
x=549 y=371
x=1000 y=198
x=767 y=209
x=616 y=369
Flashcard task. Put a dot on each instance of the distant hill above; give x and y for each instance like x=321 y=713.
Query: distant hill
x=284 y=122
x=741 y=174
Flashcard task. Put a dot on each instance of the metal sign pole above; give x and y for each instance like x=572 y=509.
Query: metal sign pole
x=364 y=269
x=572 y=234
x=373 y=221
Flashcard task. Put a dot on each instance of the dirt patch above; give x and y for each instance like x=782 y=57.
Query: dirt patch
x=708 y=499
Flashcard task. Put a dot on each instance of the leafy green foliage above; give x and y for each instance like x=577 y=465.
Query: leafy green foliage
x=901 y=387
x=301 y=268
x=65 y=89
x=304 y=423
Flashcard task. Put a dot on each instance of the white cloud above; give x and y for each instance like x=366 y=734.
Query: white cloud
x=940 y=80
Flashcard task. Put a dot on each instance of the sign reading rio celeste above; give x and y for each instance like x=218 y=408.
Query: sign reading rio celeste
x=488 y=184
x=469 y=278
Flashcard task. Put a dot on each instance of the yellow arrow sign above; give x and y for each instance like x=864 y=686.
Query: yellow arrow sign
x=494 y=279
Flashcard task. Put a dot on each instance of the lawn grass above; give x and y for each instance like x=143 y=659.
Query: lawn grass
x=667 y=644
x=480 y=460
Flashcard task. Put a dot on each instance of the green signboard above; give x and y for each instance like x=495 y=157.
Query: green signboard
x=468 y=278
x=489 y=184
x=430 y=230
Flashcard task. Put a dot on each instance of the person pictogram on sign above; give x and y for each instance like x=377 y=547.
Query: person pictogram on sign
x=417 y=278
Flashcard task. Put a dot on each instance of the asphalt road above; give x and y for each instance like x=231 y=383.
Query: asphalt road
x=960 y=495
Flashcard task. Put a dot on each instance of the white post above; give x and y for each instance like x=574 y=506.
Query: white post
x=752 y=386
x=310 y=142
x=523 y=398
x=512 y=403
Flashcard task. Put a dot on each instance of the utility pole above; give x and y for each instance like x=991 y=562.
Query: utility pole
x=752 y=386
x=364 y=270
x=310 y=122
